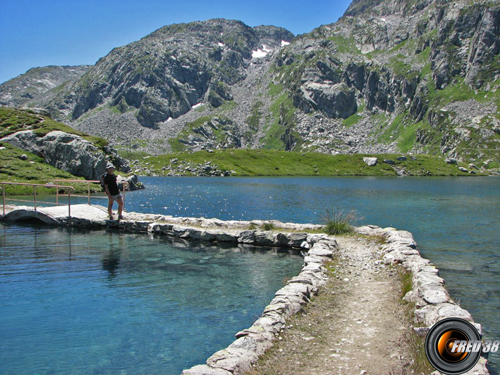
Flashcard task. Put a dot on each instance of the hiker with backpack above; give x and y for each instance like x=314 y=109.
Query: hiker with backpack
x=112 y=191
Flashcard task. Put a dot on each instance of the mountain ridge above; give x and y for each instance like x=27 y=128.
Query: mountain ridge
x=390 y=76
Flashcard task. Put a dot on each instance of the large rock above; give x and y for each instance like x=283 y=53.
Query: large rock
x=485 y=44
x=65 y=151
x=132 y=181
x=371 y=162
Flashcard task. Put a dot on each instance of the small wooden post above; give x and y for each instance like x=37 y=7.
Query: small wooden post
x=69 y=203
x=34 y=195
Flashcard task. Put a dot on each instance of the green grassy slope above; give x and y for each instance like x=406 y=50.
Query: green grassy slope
x=33 y=169
x=280 y=163
x=13 y=120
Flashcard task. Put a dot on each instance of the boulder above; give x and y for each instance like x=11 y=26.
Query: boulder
x=371 y=162
x=247 y=236
x=296 y=239
x=264 y=238
x=132 y=181
x=65 y=151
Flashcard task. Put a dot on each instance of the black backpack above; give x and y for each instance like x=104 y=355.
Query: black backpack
x=103 y=176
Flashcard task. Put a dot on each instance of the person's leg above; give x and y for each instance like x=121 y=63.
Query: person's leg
x=120 y=207
x=110 y=208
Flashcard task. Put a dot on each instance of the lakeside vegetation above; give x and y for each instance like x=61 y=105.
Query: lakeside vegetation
x=237 y=162
x=246 y=162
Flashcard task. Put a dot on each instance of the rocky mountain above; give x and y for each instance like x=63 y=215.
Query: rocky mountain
x=136 y=91
x=399 y=75
x=36 y=83
x=389 y=76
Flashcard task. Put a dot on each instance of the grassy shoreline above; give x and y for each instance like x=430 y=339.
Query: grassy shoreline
x=17 y=165
x=245 y=162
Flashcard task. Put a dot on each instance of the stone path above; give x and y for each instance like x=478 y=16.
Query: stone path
x=356 y=327
x=371 y=319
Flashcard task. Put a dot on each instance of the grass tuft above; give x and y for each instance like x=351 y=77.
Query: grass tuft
x=339 y=221
x=268 y=226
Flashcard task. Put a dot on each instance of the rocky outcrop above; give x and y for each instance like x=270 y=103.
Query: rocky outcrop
x=131 y=183
x=335 y=101
x=371 y=162
x=62 y=150
x=213 y=134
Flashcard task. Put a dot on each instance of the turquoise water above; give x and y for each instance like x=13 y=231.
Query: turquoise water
x=74 y=302
x=455 y=221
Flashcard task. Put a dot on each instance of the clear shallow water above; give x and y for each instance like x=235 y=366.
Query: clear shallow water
x=455 y=221
x=74 y=302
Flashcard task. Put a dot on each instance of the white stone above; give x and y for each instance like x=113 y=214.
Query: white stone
x=205 y=370
x=371 y=162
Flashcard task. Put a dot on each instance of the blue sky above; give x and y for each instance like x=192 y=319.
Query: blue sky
x=36 y=33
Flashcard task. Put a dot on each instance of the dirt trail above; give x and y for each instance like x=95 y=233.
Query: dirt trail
x=355 y=326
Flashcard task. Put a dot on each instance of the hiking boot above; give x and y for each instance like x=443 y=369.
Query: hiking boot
x=120 y=217
x=111 y=217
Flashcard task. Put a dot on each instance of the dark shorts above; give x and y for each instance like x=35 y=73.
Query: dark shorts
x=115 y=197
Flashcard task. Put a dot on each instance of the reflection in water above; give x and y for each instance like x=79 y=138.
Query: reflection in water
x=111 y=262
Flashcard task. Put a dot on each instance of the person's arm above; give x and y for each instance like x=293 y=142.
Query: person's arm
x=106 y=187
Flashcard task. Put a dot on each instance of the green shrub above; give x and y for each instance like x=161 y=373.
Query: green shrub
x=339 y=222
x=268 y=226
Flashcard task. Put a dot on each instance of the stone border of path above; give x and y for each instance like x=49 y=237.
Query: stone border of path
x=432 y=301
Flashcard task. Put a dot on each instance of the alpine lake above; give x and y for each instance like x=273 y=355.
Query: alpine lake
x=103 y=302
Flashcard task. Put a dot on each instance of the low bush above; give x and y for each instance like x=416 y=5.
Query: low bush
x=339 y=221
